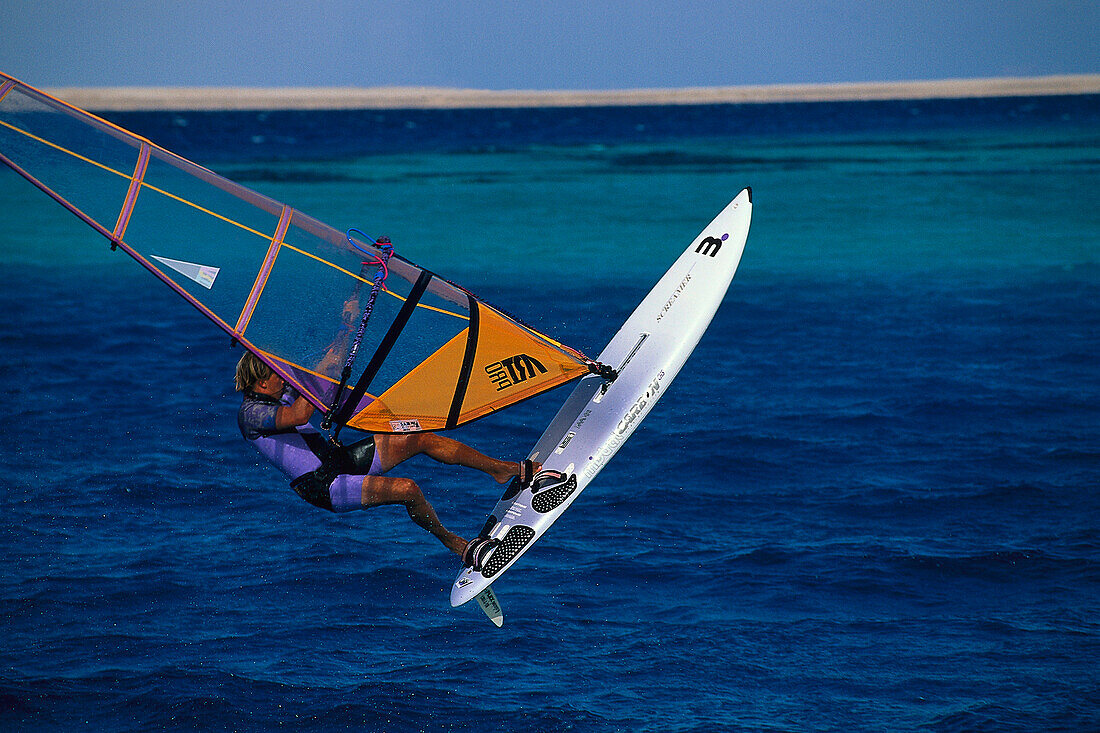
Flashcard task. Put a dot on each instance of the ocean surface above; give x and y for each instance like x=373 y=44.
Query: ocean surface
x=869 y=502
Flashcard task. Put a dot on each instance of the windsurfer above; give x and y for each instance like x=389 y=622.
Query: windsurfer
x=275 y=420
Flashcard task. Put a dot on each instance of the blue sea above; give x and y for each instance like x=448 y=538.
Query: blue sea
x=870 y=501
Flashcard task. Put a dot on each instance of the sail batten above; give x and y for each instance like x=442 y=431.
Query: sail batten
x=265 y=270
x=283 y=284
x=131 y=195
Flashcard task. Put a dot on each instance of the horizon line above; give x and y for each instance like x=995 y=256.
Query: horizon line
x=226 y=98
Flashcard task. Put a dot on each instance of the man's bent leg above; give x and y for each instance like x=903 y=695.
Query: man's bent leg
x=394 y=449
x=383 y=490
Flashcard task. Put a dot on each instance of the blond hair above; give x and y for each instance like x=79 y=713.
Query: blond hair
x=250 y=370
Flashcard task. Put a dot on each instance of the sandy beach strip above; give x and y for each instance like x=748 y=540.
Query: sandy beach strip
x=120 y=99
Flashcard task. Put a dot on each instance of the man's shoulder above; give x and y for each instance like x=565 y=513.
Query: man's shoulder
x=256 y=417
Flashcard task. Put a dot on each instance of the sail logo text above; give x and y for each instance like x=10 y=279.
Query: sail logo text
x=709 y=247
x=513 y=370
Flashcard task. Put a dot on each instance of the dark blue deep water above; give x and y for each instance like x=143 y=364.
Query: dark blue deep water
x=869 y=502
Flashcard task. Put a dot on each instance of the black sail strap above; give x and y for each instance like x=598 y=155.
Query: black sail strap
x=467 y=365
x=383 y=350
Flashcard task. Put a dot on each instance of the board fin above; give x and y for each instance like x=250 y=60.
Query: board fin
x=491 y=606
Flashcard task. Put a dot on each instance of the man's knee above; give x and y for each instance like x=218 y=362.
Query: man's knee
x=379 y=490
x=406 y=491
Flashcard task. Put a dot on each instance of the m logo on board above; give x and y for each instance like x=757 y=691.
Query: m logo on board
x=513 y=370
x=709 y=247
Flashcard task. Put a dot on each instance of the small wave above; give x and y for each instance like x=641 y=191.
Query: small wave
x=290 y=175
x=1057 y=714
x=1001 y=565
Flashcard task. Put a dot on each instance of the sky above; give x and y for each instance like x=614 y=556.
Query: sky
x=540 y=44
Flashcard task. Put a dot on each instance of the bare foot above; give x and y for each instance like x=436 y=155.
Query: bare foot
x=455 y=544
x=514 y=469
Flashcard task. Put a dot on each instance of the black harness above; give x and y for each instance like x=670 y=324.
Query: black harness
x=336 y=460
x=353 y=460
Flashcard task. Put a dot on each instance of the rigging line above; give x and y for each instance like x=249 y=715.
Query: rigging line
x=379 y=283
x=383 y=349
x=365 y=236
x=383 y=243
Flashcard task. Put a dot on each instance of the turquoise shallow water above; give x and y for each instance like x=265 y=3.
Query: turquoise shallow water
x=982 y=202
x=868 y=503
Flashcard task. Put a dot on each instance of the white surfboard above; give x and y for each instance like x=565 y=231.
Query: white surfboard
x=598 y=417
